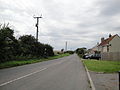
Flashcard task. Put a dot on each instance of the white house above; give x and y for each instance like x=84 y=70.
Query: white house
x=111 y=44
x=109 y=48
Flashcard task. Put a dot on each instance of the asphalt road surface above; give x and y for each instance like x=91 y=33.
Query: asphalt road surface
x=66 y=73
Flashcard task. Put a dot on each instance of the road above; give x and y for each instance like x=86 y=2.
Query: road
x=65 y=73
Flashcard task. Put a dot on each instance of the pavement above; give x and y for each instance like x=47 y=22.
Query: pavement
x=67 y=73
x=105 y=81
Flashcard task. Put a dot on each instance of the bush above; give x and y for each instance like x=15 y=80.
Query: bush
x=70 y=52
x=25 y=47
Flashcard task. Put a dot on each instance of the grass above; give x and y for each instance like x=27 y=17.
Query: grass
x=102 y=66
x=23 y=62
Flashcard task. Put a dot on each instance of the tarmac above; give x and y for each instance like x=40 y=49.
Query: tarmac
x=103 y=81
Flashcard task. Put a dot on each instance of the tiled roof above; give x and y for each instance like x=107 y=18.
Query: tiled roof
x=106 y=41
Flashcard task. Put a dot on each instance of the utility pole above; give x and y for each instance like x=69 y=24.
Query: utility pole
x=37 y=26
x=66 y=46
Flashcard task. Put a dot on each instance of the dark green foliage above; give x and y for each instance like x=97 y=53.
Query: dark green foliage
x=25 y=46
x=81 y=51
x=70 y=52
x=62 y=50
x=8 y=44
x=48 y=50
x=29 y=46
x=26 y=61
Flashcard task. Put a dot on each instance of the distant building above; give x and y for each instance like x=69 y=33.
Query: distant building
x=93 y=50
x=111 y=44
x=109 y=48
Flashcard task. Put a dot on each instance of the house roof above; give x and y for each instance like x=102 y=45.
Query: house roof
x=106 y=41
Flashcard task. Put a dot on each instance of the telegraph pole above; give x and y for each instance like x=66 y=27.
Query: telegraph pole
x=66 y=46
x=37 y=26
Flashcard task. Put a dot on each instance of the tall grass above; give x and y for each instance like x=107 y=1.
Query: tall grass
x=30 y=61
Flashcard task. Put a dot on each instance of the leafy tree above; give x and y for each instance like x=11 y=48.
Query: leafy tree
x=62 y=50
x=81 y=51
x=70 y=52
x=27 y=43
x=31 y=47
x=49 y=50
x=8 y=44
x=25 y=46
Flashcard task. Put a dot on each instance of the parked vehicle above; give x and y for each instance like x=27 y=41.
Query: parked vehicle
x=95 y=56
x=92 y=56
x=86 y=56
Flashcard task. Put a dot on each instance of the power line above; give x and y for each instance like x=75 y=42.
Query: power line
x=37 y=26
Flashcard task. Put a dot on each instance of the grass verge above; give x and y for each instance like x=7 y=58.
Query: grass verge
x=23 y=62
x=102 y=66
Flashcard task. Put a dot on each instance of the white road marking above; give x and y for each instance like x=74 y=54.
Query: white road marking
x=22 y=77
x=29 y=74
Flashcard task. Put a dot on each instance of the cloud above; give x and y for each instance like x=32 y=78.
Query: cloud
x=109 y=7
x=81 y=23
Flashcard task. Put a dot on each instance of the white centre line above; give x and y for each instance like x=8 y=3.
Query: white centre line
x=22 y=77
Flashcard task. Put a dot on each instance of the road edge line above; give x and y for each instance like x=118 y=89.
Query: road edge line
x=90 y=79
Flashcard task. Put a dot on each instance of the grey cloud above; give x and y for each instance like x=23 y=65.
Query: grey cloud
x=80 y=23
x=109 y=7
x=117 y=28
x=53 y=9
x=7 y=6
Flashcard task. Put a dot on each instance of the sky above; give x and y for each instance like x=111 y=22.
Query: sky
x=81 y=23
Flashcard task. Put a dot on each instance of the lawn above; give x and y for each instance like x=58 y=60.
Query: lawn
x=102 y=66
x=23 y=62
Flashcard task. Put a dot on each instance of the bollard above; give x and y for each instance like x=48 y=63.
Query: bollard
x=119 y=79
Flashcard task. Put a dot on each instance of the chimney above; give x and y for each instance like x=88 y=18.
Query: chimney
x=110 y=35
x=102 y=39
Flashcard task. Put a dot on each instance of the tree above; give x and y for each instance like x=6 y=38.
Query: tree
x=69 y=51
x=27 y=43
x=31 y=47
x=62 y=50
x=25 y=46
x=81 y=51
x=8 y=44
x=49 y=50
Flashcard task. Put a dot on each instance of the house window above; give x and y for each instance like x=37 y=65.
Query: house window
x=107 y=48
